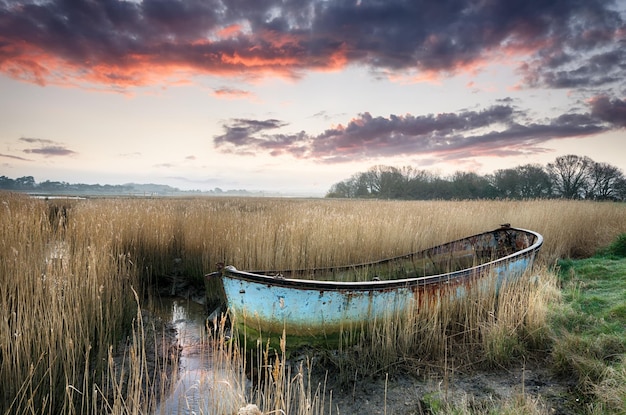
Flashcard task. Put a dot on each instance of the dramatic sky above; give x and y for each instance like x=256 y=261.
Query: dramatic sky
x=296 y=95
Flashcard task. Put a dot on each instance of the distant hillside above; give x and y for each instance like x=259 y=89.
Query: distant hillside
x=27 y=184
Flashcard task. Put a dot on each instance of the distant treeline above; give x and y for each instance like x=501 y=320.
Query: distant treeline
x=570 y=177
x=29 y=185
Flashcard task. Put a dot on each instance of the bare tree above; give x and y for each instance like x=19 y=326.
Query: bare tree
x=602 y=181
x=569 y=175
x=386 y=182
x=620 y=189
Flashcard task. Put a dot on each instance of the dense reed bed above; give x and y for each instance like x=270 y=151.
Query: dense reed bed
x=68 y=270
x=65 y=300
x=294 y=233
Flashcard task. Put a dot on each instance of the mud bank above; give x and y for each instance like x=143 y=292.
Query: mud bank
x=415 y=393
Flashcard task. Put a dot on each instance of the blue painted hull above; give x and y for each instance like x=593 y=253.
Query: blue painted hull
x=316 y=311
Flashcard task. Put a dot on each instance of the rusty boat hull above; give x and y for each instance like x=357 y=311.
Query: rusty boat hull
x=315 y=307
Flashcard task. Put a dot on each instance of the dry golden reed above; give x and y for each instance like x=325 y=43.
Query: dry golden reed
x=298 y=233
x=67 y=276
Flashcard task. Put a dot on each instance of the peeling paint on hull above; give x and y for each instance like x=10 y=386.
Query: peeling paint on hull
x=313 y=308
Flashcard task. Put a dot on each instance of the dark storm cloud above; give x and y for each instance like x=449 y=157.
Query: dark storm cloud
x=569 y=43
x=597 y=70
x=46 y=147
x=586 y=48
x=240 y=132
x=609 y=110
x=471 y=133
x=246 y=136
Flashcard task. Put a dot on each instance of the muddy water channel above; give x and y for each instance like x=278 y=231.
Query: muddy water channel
x=198 y=387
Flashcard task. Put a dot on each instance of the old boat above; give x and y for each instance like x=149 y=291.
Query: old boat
x=314 y=307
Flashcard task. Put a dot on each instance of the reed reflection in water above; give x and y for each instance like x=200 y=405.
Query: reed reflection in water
x=199 y=387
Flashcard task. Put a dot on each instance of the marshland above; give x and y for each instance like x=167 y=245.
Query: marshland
x=79 y=279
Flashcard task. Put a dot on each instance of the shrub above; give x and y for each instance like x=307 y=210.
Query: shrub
x=618 y=247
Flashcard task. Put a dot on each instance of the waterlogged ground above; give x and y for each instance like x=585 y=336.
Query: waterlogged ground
x=200 y=388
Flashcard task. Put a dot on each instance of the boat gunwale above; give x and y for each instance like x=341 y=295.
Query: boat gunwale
x=322 y=285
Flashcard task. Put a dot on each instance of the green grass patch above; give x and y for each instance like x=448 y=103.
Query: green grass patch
x=590 y=325
x=596 y=289
x=617 y=249
x=618 y=313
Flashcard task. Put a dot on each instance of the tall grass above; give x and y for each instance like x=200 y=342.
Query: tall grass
x=297 y=233
x=64 y=296
x=66 y=278
x=488 y=328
